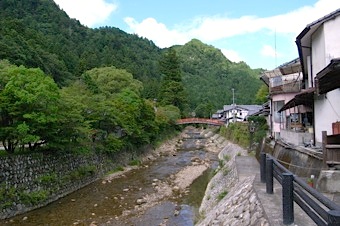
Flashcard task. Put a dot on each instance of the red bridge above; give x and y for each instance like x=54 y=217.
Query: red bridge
x=214 y=122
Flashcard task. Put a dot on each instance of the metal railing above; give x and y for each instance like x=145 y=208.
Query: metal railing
x=319 y=208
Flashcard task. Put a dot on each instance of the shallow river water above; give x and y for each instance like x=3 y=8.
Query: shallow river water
x=104 y=203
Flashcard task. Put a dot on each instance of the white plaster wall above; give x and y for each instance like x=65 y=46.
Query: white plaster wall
x=318 y=51
x=332 y=44
x=327 y=111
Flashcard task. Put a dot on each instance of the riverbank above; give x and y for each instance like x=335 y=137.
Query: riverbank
x=230 y=198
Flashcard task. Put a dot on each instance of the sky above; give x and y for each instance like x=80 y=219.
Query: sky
x=261 y=33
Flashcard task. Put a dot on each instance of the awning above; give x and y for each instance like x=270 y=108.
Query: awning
x=305 y=97
x=329 y=78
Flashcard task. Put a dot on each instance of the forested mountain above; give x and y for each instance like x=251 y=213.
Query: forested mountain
x=36 y=33
x=209 y=78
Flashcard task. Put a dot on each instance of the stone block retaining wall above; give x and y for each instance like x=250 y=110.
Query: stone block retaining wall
x=34 y=180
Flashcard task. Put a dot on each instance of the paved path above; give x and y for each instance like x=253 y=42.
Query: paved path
x=272 y=203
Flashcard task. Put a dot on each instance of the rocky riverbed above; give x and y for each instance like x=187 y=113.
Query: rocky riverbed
x=176 y=185
x=227 y=201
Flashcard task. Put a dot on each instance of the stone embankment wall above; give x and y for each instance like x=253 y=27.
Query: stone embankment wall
x=34 y=180
x=228 y=200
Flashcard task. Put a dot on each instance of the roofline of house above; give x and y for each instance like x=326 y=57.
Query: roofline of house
x=306 y=30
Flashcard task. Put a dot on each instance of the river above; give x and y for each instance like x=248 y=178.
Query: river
x=121 y=201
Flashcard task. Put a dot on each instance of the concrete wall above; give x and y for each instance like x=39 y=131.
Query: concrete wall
x=296 y=138
x=327 y=111
x=297 y=161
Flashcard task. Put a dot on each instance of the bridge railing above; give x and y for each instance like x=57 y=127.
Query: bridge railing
x=199 y=121
x=319 y=208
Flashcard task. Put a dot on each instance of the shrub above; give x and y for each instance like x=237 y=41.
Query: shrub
x=33 y=198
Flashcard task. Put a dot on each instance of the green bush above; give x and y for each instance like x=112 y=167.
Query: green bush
x=7 y=196
x=33 y=198
x=238 y=132
x=82 y=172
x=48 y=178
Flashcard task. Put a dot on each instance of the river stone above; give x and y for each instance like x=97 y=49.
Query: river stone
x=141 y=201
x=175 y=188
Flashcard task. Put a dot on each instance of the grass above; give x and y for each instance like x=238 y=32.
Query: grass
x=226 y=171
x=115 y=170
x=221 y=195
x=226 y=157
x=220 y=163
x=134 y=162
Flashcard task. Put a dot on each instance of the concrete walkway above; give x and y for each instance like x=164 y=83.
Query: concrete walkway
x=271 y=203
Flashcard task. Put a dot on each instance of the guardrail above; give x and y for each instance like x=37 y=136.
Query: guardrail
x=319 y=208
x=214 y=122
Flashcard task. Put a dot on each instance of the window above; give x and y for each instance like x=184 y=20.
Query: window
x=277 y=106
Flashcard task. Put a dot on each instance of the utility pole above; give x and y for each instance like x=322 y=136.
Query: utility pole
x=233 y=96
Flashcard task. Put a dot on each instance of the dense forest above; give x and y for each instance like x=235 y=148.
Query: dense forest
x=102 y=86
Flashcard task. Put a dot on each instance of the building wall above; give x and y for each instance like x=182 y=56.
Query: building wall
x=281 y=97
x=325 y=47
x=332 y=44
x=318 y=51
x=241 y=113
x=327 y=111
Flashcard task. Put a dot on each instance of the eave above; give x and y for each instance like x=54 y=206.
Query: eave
x=329 y=78
x=305 y=98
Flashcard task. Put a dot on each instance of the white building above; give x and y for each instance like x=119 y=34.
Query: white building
x=319 y=51
x=238 y=113
x=284 y=83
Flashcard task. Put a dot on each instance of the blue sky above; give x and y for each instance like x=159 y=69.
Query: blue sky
x=261 y=33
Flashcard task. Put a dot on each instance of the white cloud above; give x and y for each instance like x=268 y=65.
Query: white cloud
x=88 y=12
x=157 y=32
x=231 y=55
x=209 y=29
x=268 y=50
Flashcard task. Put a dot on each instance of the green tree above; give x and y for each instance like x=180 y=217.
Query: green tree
x=172 y=90
x=166 y=116
x=75 y=130
x=110 y=105
x=262 y=94
x=204 y=110
x=28 y=108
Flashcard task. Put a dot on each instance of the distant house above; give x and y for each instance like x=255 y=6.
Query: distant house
x=285 y=84
x=217 y=115
x=319 y=52
x=237 y=113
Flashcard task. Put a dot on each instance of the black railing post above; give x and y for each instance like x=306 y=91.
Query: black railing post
x=269 y=176
x=288 y=198
x=263 y=167
x=333 y=218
